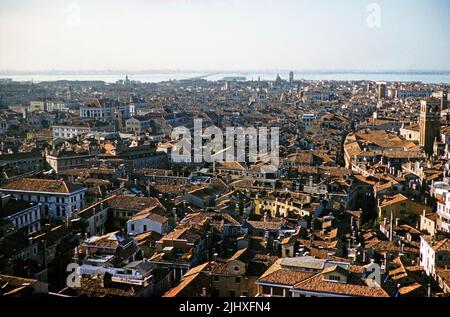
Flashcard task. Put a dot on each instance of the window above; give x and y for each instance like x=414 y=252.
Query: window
x=334 y=278
x=216 y=278
x=277 y=291
x=238 y=280
x=145 y=227
x=132 y=227
x=266 y=290
x=236 y=268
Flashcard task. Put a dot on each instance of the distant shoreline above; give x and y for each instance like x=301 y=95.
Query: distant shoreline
x=153 y=76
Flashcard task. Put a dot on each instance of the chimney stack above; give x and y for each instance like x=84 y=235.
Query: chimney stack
x=391 y=227
x=4 y=200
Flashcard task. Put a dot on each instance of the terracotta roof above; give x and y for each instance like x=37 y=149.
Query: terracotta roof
x=393 y=200
x=148 y=214
x=270 y=225
x=335 y=268
x=108 y=240
x=444 y=274
x=191 y=283
x=432 y=216
x=316 y=283
x=13 y=285
x=242 y=255
x=41 y=185
x=133 y=203
x=285 y=277
x=443 y=245
x=409 y=288
x=231 y=166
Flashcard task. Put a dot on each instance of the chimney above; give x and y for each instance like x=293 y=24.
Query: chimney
x=391 y=227
x=4 y=200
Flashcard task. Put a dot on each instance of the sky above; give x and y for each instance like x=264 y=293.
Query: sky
x=224 y=35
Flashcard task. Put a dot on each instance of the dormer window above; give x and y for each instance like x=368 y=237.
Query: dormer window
x=333 y=278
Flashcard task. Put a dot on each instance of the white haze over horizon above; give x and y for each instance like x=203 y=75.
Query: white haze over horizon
x=224 y=35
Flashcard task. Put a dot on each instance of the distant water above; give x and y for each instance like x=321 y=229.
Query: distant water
x=154 y=77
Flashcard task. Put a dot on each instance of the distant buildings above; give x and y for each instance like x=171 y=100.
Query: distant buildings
x=307 y=119
x=72 y=130
x=138 y=124
x=96 y=111
x=367 y=147
x=316 y=95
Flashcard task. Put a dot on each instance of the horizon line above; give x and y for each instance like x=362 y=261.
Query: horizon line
x=271 y=70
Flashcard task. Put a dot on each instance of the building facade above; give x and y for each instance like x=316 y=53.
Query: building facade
x=56 y=198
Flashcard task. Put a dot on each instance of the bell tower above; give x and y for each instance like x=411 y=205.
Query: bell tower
x=429 y=123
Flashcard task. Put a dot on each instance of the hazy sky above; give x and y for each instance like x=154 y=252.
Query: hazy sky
x=224 y=34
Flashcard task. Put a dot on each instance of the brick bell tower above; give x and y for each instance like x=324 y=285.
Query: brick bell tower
x=429 y=123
